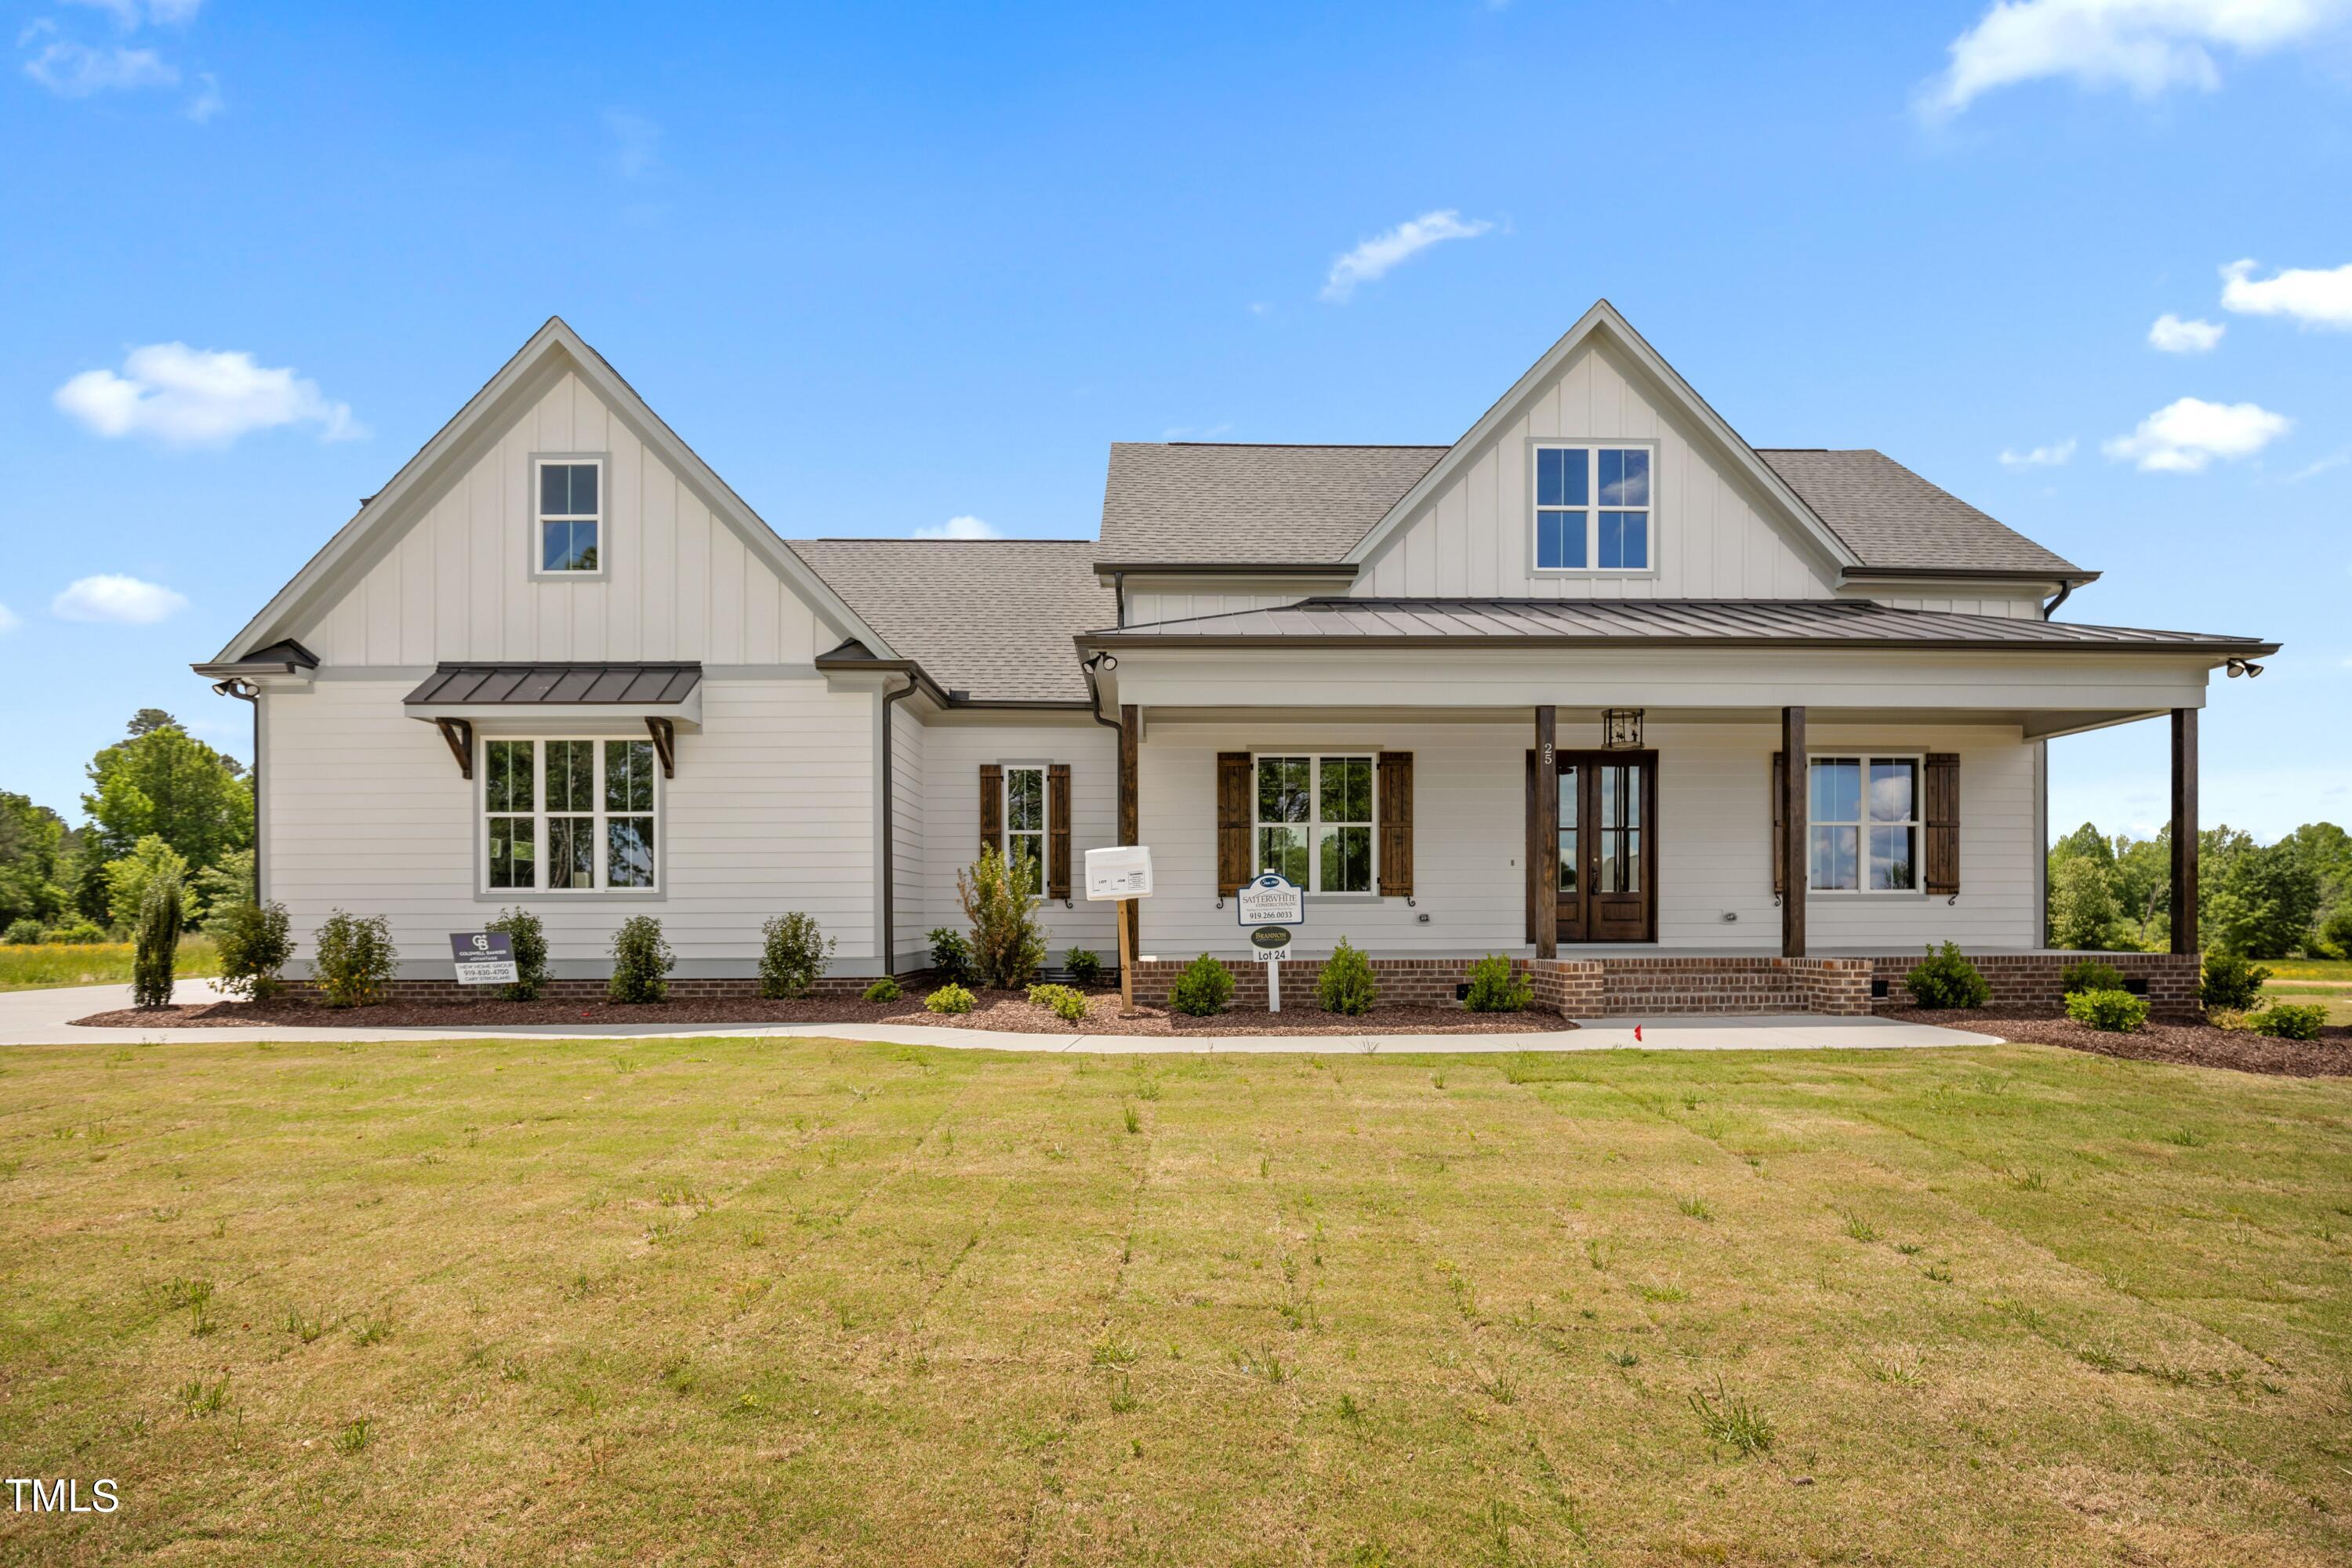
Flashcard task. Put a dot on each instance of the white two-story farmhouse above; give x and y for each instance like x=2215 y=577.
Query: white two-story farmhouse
x=1598 y=680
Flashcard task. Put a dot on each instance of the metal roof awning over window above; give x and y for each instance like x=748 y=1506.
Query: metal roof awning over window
x=545 y=699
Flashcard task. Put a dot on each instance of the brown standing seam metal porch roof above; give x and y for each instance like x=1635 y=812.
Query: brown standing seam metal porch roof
x=525 y=685
x=1700 y=623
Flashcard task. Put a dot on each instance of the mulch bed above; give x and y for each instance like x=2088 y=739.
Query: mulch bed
x=2191 y=1044
x=996 y=1010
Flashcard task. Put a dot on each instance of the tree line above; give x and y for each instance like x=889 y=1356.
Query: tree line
x=160 y=801
x=2264 y=900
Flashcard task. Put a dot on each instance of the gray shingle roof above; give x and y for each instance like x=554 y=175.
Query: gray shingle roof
x=991 y=617
x=1183 y=502
x=1718 y=622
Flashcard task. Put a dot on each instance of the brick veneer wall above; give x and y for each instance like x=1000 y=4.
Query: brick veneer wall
x=2032 y=980
x=1658 y=986
x=732 y=988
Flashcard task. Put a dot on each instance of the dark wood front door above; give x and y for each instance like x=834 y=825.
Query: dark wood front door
x=1607 y=846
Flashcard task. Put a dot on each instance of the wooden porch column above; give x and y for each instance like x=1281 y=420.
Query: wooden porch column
x=2184 y=831
x=1130 y=751
x=1796 y=836
x=1547 y=804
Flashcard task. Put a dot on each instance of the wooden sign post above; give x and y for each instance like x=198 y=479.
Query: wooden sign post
x=1121 y=874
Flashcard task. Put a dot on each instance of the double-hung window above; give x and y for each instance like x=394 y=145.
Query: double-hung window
x=1315 y=821
x=1864 y=821
x=1593 y=509
x=571 y=518
x=1024 y=824
x=569 y=817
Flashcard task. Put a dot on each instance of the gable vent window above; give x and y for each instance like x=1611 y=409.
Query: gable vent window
x=1592 y=509
x=569 y=518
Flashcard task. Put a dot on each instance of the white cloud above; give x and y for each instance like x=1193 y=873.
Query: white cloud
x=1373 y=260
x=2314 y=298
x=2175 y=336
x=129 y=14
x=8 y=621
x=77 y=70
x=190 y=397
x=2145 y=45
x=960 y=527
x=2184 y=435
x=2049 y=457
x=124 y=601
x=636 y=142
x=2311 y=471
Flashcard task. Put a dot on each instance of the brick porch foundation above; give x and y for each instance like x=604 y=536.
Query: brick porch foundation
x=2032 y=980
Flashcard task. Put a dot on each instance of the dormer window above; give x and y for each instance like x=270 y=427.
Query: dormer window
x=570 y=522
x=1594 y=508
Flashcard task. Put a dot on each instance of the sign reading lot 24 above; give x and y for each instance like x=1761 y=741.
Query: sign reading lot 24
x=1271 y=899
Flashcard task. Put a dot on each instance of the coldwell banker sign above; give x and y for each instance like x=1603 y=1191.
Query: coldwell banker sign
x=484 y=957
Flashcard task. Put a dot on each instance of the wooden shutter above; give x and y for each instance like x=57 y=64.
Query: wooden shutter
x=1058 y=831
x=991 y=807
x=1943 y=820
x=1780 y=821
x=1232 y=822
x=1396 y=824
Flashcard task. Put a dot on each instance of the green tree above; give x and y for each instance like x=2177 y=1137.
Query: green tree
x=162 y=781
x=2142 y=884
x=128 y=879
x=2257 y=899
x=32 y=838
x=2082 y=906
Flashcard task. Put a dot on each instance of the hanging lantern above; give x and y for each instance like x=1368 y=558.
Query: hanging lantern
x=1620 y=729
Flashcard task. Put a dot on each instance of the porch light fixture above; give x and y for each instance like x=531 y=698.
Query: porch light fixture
x=2238 y=667
x=1620 y=729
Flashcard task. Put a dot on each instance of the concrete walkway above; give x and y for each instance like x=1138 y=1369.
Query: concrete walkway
x=43 y=1017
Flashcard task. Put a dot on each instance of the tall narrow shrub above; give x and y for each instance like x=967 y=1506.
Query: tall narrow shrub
x=528 y=938
x=254 y=942
x=159 y=910
x=1007 y=947
x=793 y=953
x=1346 y=986
x=356 y=960
x=641 y=961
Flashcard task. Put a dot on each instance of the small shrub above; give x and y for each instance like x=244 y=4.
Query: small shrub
x=254 y=943
x=1007 y=947
x=73 y=933
x=1085 y=966
x=950 y=998
x=2287 y=1021
x=2233 y=981
x=356 y=959
x=23 y=932
x=1203 y=988
x=159 y=942
x=1064 y=1002
x=885 y=990
x=2113 y=1011
x=793 y=953
x=2090 y=975
x=528 y=937
x=1947 y=979
x=2333 y=937
x=641 y=961
x=951 y=957
x=1346 y=986
x=1494 y=988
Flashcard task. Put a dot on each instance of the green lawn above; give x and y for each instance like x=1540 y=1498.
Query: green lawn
x=805 y=1302
x=39 y=966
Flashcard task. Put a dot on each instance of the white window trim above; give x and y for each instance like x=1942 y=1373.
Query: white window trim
x=1319 y=755
x=1592 y=509
x=1044 y=832
x=539 y=814
x=603 y=519
x=1917 y=822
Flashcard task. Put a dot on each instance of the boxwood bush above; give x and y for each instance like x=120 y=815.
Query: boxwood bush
x=641 y=961
x=2090 y=975
x=1346 y=986
x=1494 y=988
x=884 y=990
x=2116 y=1012
x=793 y=955
x=950 y=998
x=1064 y=1002
x=2232 y=981
x=1203 y=988
x=2287 y=1021
x=1947 y=979
x=528 y=937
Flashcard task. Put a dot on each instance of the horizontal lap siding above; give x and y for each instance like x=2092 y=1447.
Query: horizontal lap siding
x=953 y=755
x=771 y=810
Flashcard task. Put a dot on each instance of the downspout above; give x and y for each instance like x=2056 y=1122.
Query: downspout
x=247 y=692
x=2066 y=591
x=1094 y=691
x=890 y=955
x=1118 y=589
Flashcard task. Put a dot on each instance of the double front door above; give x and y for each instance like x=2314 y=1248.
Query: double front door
x=1608 y=881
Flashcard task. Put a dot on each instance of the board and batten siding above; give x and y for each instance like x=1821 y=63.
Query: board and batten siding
x=1469 y=840
x=1714 y=534
x=679 y=581
x=771 y=810
x=2011 y=608
x=953 y=755
x=1146 y=605
x=909 y=813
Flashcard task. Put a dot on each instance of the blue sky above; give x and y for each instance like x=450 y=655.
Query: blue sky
x=885 y=268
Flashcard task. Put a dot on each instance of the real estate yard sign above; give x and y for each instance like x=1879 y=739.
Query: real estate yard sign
x=484 y=957
x=1271 y=902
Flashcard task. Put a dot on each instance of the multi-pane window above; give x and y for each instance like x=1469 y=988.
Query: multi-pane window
x=1864 y=818
x=569 y=516
x=569 y=816
x=1024 y=825
x=1592 y=509
x=1616 y=829
x=1315 y=821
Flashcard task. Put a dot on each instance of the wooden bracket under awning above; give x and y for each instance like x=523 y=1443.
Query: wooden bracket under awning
x=665 y=734
x=460 y=735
